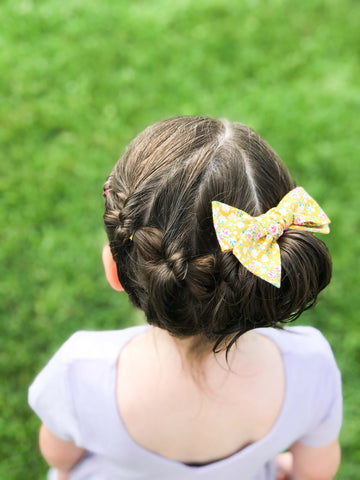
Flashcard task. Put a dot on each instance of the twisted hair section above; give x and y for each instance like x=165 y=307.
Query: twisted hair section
x=158 y=220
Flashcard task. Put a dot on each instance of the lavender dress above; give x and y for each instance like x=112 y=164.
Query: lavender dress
x=75 y=397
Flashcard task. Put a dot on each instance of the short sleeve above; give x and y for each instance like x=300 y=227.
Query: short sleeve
x=327 y=412
x=50 y=395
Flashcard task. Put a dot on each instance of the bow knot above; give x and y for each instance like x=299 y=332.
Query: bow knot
x=253 y=240
x=272 y=224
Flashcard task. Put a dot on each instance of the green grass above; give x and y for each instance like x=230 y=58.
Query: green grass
x=79 y=79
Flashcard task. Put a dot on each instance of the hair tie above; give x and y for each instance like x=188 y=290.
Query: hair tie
x=253 y=240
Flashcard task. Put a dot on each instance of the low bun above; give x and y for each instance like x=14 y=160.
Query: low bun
x=305 y=270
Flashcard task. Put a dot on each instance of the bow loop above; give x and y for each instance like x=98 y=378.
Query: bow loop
x=253 y=240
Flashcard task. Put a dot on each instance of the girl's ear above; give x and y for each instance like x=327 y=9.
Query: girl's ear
x=110 y=269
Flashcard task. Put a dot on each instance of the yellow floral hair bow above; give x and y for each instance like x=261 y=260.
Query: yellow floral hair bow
x=253 y=240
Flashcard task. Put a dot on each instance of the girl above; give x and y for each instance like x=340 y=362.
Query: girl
x=210 y=237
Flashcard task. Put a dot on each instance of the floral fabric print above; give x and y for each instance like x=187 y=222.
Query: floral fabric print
x=253 y=240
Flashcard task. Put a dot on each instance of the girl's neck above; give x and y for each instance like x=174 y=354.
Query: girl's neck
x=191 y=350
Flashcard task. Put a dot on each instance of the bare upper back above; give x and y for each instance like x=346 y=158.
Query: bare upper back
x=167 y=410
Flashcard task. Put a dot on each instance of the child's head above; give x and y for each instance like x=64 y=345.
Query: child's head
x=158 y=219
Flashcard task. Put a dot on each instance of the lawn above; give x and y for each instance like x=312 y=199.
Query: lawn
x=79 y=79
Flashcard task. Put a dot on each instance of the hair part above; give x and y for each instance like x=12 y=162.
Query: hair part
x=172 y=268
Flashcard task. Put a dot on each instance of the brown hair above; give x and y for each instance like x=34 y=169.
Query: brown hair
x=172 y=266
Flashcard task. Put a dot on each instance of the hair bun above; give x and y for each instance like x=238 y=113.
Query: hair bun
x=305 y=269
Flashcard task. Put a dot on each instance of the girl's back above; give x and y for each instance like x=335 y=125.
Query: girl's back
x=75 y=395
x=168 y=411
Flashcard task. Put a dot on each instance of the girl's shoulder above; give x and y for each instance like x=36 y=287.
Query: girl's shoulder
x=307 y=356
x=310 y=365
x=87 y=358
x=92 y=344
x=300 y=341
